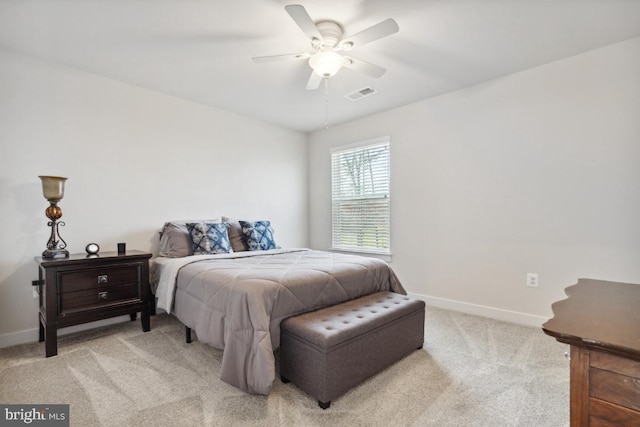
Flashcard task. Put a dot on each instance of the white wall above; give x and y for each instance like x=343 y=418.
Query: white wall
x=134 y=158
x=535 y=172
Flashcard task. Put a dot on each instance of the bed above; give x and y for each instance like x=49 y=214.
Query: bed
x=235 y=301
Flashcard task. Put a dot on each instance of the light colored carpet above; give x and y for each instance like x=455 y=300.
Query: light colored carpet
x=472 y=371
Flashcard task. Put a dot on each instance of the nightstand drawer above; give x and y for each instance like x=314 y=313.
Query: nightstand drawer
x=72 y=302
x=98 y=278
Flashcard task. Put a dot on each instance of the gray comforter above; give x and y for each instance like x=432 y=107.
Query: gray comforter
x=236 y=303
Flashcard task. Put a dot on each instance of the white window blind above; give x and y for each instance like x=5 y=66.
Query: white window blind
x=360 y=197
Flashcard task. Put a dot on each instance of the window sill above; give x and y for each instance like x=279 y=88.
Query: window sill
x=382 y=256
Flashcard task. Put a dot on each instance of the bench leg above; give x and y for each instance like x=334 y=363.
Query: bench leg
x=323 y=405
x=188 y=334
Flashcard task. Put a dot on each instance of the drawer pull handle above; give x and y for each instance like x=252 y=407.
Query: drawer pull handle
x=102 y=295
x=102 y=279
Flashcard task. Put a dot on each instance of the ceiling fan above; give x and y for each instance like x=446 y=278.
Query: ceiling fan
x=327 y=41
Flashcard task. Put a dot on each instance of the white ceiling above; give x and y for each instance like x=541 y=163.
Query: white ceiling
x=201 y=50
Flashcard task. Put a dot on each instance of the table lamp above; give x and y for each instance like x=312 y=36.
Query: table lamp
x=53 y=190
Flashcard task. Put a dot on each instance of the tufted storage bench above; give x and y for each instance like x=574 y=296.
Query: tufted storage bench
x=329 y=351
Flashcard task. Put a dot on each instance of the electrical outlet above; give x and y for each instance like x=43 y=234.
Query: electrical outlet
x=532 y=280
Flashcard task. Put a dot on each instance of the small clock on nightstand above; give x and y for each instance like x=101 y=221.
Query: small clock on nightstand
x=92 y=249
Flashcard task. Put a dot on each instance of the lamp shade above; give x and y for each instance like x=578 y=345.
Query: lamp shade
x=53 y=187
x=326 y=63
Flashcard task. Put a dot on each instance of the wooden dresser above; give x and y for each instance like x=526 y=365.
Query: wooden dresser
x=81 y=288
x=601 y=322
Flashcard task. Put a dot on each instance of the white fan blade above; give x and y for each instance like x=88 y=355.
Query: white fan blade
x=289 y=56
x=304 y=21
x=375 y=32
x=314 y=81
x=364 y=67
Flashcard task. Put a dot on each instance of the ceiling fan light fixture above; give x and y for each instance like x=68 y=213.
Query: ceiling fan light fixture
x=326 y=63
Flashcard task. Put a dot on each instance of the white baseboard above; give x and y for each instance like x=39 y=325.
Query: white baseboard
x=483 y=310
x=31 y=335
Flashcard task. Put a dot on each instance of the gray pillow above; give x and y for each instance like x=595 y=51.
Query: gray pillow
x=238 y=242
x=175 y=240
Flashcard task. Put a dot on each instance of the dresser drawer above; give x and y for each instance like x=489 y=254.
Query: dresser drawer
x=615 y=379
x=605 y=414
x=71 y=302
x=615 y=388
x=97 y=278
x=617 y=364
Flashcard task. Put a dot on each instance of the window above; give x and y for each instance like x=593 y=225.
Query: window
x=360 y=197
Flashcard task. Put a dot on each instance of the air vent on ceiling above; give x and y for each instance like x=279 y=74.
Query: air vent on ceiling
x=362 y=93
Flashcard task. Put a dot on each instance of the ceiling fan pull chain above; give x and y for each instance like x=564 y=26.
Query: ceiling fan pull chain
x=326 y=103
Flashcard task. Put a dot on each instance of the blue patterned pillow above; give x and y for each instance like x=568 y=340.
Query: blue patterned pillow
x=209 y=238
x=259 y=235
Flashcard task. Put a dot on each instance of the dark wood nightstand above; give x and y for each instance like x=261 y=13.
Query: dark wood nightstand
x=82 y=288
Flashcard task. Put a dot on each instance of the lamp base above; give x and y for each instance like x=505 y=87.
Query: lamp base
x=57 y=253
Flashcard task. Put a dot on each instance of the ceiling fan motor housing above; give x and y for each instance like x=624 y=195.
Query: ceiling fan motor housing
x=331 y=34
